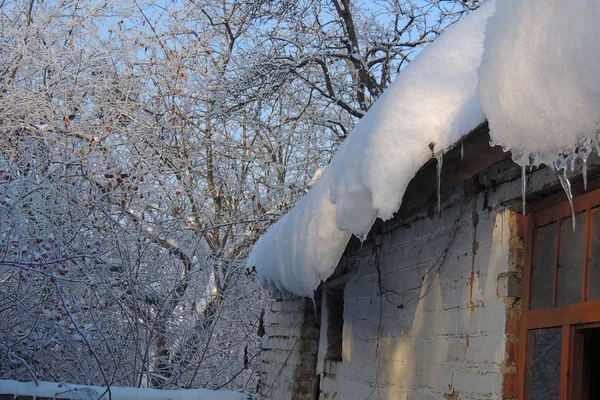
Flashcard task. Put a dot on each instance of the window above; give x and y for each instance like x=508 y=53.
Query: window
x=334 y=302
x=561 y=305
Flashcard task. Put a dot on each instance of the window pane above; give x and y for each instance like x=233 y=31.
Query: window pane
x=543 y=364
x=594 y=282
x=542 y=272
x=571 y=260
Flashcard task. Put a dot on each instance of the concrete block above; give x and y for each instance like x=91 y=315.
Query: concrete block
x=510 y=285
x=457 y=350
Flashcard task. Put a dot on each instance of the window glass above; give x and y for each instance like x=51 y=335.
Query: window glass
x=542 y=272
x=543 y=364
x=571 y=260
x=594 y=277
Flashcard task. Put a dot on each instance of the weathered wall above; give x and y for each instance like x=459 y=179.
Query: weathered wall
x=425 y=311
x=423 y=316
x=327 y=368
x=290 y=349
x=431 y=303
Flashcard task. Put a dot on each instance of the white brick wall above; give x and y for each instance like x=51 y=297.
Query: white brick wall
x=290 y=349
x=438 y=330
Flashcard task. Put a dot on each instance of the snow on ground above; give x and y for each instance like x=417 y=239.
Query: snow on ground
x=434 y=101
x=539 y=81
x=80 y=392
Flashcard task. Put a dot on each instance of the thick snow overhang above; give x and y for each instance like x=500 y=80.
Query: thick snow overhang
x=539 y=80
x=542 y=102
x=432 y=104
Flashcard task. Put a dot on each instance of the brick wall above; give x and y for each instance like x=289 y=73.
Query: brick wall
x=423 y=317
x=290 y=349
x=432 y=304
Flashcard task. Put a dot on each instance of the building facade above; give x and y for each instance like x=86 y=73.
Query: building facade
x=474 y=302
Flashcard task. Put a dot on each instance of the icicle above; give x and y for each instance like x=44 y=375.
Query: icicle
x=462 y=149
x=584 y=171
x=586 y=148
x=440 y=158
x=362 y=239
x=566 y=185
x=523 y=185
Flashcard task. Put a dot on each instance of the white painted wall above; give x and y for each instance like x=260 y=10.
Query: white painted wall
x=438 y=330
x=290 y=349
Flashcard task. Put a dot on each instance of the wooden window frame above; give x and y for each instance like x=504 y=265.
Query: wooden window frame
x=571 y=317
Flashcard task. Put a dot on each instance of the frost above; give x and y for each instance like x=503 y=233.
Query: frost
x=539 y=85
x=434 y=102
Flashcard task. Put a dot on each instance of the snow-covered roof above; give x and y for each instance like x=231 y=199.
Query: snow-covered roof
x=539 y=100
x=539 y=77
x=434 y=100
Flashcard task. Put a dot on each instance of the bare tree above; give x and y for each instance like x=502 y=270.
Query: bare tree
x=145 y=146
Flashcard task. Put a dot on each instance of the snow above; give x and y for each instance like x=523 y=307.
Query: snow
x=434 y=102
x=539 y=81
x=316 y=176
x=303 y=247
x=80 y=392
